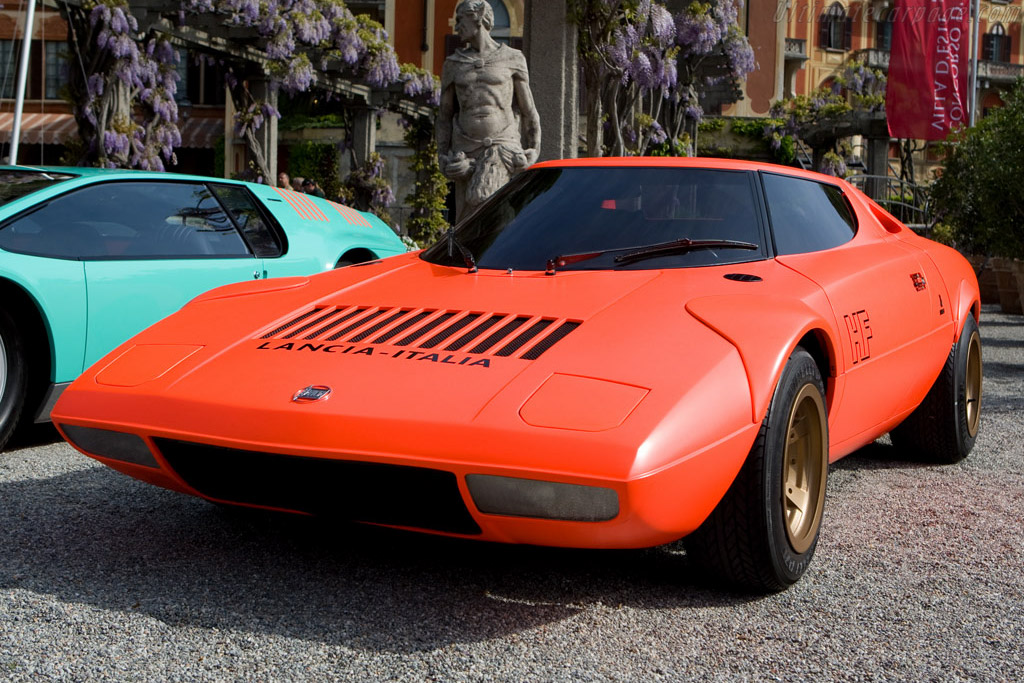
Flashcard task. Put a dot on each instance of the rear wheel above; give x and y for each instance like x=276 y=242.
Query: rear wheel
x=944 y=427
x=13 y=377
x=765 y=529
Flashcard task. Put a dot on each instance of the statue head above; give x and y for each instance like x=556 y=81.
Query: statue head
x=480 y=11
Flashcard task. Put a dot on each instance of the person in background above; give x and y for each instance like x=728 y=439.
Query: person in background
x=309 y=186
x=297 y=183
x=283 y=180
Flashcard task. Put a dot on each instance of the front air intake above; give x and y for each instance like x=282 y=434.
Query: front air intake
x=379 y=493
x=474 y=332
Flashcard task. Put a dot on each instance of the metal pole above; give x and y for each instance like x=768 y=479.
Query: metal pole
x=976 y=11
x=19 y=102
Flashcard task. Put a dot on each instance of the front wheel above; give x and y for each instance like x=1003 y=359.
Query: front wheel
x=13 y=377
x=764 y=531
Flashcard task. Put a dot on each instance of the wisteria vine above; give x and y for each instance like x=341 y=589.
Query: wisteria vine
x=126 y=82
x=645 y=68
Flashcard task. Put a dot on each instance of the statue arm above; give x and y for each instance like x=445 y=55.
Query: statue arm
x=445 y=118
x=530 y=117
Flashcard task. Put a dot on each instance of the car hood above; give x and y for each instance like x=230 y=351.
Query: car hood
x=407 y=345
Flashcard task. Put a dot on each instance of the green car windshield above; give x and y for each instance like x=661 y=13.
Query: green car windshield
x=15 y=184
x=610 y=217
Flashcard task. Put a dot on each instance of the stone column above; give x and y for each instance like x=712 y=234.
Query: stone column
x=364 y=133
x=877 y=165
x=549 y=43
x=266 y=136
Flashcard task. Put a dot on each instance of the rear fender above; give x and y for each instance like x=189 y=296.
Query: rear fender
x=764 y=330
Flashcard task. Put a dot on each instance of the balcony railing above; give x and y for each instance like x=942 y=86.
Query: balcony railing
x=1000 y=72
x=796 y=48
x=875 y=58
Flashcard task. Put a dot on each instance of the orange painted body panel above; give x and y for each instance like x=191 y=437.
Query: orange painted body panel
x=655 y=390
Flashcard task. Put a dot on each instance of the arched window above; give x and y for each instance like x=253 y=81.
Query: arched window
x=836 y=28
x=502 y=30
x=883 y=30
x=995 y=45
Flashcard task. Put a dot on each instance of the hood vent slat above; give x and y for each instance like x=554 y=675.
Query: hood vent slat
x=473 y=332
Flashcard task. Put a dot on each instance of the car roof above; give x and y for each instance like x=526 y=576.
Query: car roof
x=711 y=163
x=94 y=172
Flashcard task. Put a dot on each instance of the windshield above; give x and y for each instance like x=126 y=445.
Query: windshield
x=551 y=212
x=17 y=184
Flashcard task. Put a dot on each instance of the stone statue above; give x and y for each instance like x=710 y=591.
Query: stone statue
x=488 y=128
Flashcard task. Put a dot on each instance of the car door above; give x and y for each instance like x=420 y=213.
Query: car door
x=149 y=246
x=870 y=284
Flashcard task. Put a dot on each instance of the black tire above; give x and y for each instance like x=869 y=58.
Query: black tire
x=763 y=533
x=945 y=426
x=13 y=377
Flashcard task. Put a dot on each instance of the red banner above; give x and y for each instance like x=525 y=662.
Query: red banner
x=926 y=96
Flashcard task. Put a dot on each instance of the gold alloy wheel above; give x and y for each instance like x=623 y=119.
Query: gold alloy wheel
x=804 y=468
x=972 y=385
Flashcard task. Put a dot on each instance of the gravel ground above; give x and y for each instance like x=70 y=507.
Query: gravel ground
x=918 y=576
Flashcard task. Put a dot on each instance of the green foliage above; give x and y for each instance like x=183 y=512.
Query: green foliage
x=943 y=234
x=304 y=121
x=980 y=195
x=367 y=189
x=427 y=222
x=319 y=161
x=681 y=146
x=753 y=128
x=712 y=125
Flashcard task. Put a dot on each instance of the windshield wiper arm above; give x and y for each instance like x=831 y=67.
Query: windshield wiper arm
x=467 y=255
x=681 y=246
x=640 y=252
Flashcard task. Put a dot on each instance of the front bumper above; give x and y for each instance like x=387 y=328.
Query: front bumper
x=455 y=498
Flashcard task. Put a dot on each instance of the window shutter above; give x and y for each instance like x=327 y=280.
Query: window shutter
x=823 y=26
x=988 y=47
x=451 y=44
x=848 y=33
x=1005 y=51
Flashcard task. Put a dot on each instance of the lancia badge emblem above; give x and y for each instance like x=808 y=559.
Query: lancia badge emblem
x=314 y=392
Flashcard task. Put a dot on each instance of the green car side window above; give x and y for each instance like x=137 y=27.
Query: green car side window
x=251 y=220
x=127 y=220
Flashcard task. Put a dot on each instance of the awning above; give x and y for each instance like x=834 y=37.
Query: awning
x=54 y=129
x=48 y=129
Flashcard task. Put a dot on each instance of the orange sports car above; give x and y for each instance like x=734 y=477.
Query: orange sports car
x=609 y=353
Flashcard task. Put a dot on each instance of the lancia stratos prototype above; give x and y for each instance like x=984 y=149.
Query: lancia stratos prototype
x=612 y=353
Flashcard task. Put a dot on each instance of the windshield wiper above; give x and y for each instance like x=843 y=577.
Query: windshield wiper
x=467 y=255
x=681 y=247
x=640 y=252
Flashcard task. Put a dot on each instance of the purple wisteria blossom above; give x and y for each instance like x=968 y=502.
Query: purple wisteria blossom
x=645 y=68
x=299 y=37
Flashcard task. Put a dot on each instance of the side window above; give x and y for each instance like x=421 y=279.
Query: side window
x=127 y=220
x=253 y=222
x=806 y=215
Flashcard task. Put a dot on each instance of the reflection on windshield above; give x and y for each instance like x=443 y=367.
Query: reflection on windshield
x=551 y=211
x=17 y=184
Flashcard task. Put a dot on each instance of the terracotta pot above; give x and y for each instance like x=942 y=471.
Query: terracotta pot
x=1009 y=296
x=986 y=278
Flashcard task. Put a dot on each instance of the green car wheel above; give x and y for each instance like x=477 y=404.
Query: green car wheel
x=13 y=384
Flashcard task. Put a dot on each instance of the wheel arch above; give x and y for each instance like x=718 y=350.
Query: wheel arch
x=817 y=343
x=34 y=325
x=356 y=255
x=765 y=330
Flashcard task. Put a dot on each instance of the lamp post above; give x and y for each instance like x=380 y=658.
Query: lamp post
x=19 y=101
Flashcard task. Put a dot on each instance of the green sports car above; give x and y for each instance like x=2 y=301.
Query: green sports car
x=89 y=257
